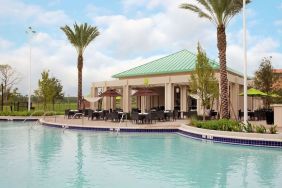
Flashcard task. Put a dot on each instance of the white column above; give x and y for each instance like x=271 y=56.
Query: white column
x=94 y=93
x=183 y=98
x=277 y=114
x=126 y=102
x=106 y=100
x=169 y=96
x=143 y=100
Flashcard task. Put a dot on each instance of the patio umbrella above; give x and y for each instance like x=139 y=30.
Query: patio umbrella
x=110 y=93
x=145 y=92
x=274 y=95
x=252 y=92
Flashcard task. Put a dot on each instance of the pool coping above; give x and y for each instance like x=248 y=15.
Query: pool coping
x=185 y=130
x=18 y=118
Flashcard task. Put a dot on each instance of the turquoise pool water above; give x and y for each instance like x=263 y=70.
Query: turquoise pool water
x=42 y=157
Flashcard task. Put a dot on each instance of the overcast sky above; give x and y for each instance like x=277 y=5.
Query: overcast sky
x=132 y=32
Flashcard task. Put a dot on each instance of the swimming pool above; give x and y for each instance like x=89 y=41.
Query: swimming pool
x=37 y=156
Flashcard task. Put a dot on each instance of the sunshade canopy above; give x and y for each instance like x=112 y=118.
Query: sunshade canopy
x=274 y=95
x=92 y=99
x=254 y=92
x=110 y=93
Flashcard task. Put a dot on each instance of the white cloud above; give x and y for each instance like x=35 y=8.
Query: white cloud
x=20 y=12
x=262 y=48
x=170 y=30
x=5 y=44
x=278 y=23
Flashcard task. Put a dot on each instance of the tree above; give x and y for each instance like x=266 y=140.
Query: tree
x=219 y=12
x=203 y=81
x=264 y=77
x=9 y=78
x=56 y=90
x=49 y=89
x=80 y=37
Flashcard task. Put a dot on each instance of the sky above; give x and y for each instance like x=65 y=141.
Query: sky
x=132 y=32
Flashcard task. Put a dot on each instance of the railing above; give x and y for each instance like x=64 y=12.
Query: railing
x=30 y=115
x=55 y=116
x=42 y=115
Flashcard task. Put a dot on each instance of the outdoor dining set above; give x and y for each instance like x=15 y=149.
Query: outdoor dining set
x=118 y=115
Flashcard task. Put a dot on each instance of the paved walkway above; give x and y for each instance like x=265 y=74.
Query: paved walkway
x=84 y=122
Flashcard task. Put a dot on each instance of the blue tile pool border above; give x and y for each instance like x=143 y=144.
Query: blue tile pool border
x=199 y=136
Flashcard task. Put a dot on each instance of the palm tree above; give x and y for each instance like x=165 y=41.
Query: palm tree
x=219 y=12
x=80 y=37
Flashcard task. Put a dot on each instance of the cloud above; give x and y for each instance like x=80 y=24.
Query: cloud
x=5 y=44
x=278 y=23
x=262 y=48
x=18 y=11
x=165 y=31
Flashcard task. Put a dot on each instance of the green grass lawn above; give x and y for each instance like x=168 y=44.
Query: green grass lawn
x=38 y=110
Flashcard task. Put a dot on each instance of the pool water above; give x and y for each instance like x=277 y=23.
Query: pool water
x=37 y=156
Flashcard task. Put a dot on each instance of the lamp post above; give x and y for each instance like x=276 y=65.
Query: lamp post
x=30 y=32
x=245 y=63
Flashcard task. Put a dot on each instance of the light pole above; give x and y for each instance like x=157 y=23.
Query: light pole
x=30 y=32
x=245 y=63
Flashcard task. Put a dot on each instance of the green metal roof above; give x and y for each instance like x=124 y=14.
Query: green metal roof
x=182 y=61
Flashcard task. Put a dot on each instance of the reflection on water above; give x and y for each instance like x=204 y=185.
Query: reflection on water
x=43 y=156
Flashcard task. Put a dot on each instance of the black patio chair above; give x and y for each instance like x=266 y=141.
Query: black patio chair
x=161 y=115
x=104 y=114
x=114 y=116
x=175 y=115
x=66 y=113
x=154 y=117
x=135 y=117
x=90 y=114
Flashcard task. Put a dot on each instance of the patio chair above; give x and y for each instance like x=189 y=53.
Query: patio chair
x=105 y=114
x=240 y=114
x=113 y=116
x=213 y=114
x=175 y=115
x=154 y=117
x=90 y=114
x=161 y=115
x=134 y=117
x=66 y=113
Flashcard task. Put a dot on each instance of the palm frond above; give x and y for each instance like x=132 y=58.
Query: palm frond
x=81 y=35
x=218 y=11
x=195 y=9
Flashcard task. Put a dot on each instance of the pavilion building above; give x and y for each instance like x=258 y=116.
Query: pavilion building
x=168 y=76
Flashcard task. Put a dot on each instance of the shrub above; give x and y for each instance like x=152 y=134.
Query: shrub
x=273 y=129
x=260 y=129
x=222 y=124
x=248 y=127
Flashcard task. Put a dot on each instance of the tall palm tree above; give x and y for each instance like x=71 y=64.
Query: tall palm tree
x=80 y=37
x=219 y=12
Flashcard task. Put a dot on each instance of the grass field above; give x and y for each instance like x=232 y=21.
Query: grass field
x=59 y=107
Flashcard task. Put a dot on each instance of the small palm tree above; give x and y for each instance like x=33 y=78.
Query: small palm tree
x=80 y=37
x=220 y=12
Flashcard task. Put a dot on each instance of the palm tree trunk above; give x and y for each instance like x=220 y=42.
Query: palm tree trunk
x=221 y=45
x=79 y=89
